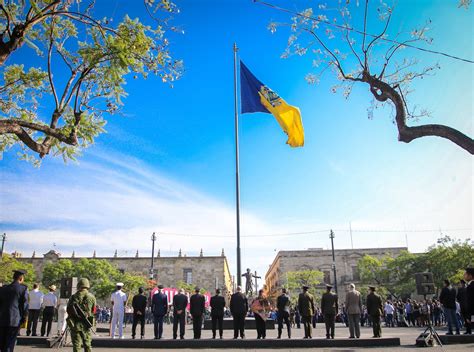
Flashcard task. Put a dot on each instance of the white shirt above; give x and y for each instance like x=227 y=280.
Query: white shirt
x=118 y=298
x=388 y=308
x=35 y=299
x=50 y=300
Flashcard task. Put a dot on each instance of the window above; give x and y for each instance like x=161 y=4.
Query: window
x=188 y=276
x=327 y=277
x=355 y=274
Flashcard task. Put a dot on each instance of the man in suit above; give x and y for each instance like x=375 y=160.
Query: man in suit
x=329 y=309
x=447 y=298
x=354 y=310
x=159 y=308
x=462 y=299
x=469 y=277
x=375 y=310
x=197 y=306
x=283 y=307
x=217 y=313
x=13 y=310
x=239 y=307
x=306 y=309
x=180 y=302
x=139 y=308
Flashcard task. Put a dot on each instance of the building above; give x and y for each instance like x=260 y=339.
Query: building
x=320 y=259
x=207 y=272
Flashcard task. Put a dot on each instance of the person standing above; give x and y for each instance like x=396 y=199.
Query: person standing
x=159 y=308
x=80 y=320
x=447 y=298
x=462 y=299
x=196 y=308
x=329 y=309
x=469 y=277
x=283 y=307
x=375 y=310
x=389 y=309
x=118 y=299
x=354 y=310
x=50 y=301
x=238 y=308
x=13 y=310
x=260 y=307
x=306 y=309
x=139 y=309
x=35 y=300
x=180 y=302
x=217 y=313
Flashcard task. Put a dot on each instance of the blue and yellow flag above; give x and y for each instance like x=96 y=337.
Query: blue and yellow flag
x=257 y=97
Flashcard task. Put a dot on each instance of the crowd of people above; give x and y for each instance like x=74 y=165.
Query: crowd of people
x=22 y=308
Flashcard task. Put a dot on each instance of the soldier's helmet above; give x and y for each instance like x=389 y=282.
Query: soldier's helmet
x=83 y=283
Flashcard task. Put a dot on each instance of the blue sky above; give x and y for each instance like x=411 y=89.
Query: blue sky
x=167 y=165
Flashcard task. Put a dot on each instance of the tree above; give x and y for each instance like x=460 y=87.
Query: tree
x=189 y=287
x=102 y=275
x=8 y=264
x=296 y=279
x=85 y=65
x=376 y=60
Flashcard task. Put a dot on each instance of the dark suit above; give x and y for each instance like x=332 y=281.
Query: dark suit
x=217 y=314
x=180 y=301
x=375 y=310
x=329 y=308
x=196 y=308
x=283 y=306
x=13 y=312
x=139 y=307
x=461 y=296
x=239 y=307
x=159 y=308
x=470 y=304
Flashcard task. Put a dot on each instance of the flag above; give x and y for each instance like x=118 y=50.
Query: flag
x=257 y=97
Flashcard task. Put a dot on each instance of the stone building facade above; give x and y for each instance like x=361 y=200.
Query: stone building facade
x=203 y=271
x=320 y=259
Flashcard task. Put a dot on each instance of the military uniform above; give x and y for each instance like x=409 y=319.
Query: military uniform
x=375 y=310
x=329 y=309
x=306 y=309
x=81 y=334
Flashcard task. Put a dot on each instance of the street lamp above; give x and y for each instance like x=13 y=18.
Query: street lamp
x=4 y=238
x=331 y=236
x=152 y=268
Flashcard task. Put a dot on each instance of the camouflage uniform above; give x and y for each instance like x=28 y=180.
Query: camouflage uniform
x=81 y=335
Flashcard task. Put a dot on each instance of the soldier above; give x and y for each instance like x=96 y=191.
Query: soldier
x=180 y=302
x=80 y=310
x=196 y=308
x=283 y=307
x=306 y=309
x=13 y=310
x=239 y=307
x=217 y=313
x=159 y=308
x=118 y=299
x=329 y=309
x=375 y=310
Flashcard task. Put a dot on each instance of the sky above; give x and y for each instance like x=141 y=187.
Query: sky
x=167 y=164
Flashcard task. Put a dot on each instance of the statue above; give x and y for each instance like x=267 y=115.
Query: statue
x=248 y=282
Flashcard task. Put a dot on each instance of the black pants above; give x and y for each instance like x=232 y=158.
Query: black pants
x=158 y=326
x=467 y=321
x=284 y=317
x=217 y=320
x=8 y=338
x=181 y=320
x=308 y=329
x=33 y=316
x=197 y=325
x=138 y=319
x=261 y=328
x=239 y=326
x=376 y=325
x=330 y=322
x=48 y=315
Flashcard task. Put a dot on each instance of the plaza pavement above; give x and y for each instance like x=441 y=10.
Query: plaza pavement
x=407 y=337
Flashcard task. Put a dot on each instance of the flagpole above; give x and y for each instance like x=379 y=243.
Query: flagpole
x=237 y=181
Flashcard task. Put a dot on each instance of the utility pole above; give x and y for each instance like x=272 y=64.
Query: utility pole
x=4 y=238
x=331 y=236
x=152 y=268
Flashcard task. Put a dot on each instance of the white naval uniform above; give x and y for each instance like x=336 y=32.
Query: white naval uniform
x=118 y=298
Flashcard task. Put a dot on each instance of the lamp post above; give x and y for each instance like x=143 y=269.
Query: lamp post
x=331 y=236
x=152 y=268
x=4 y=238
